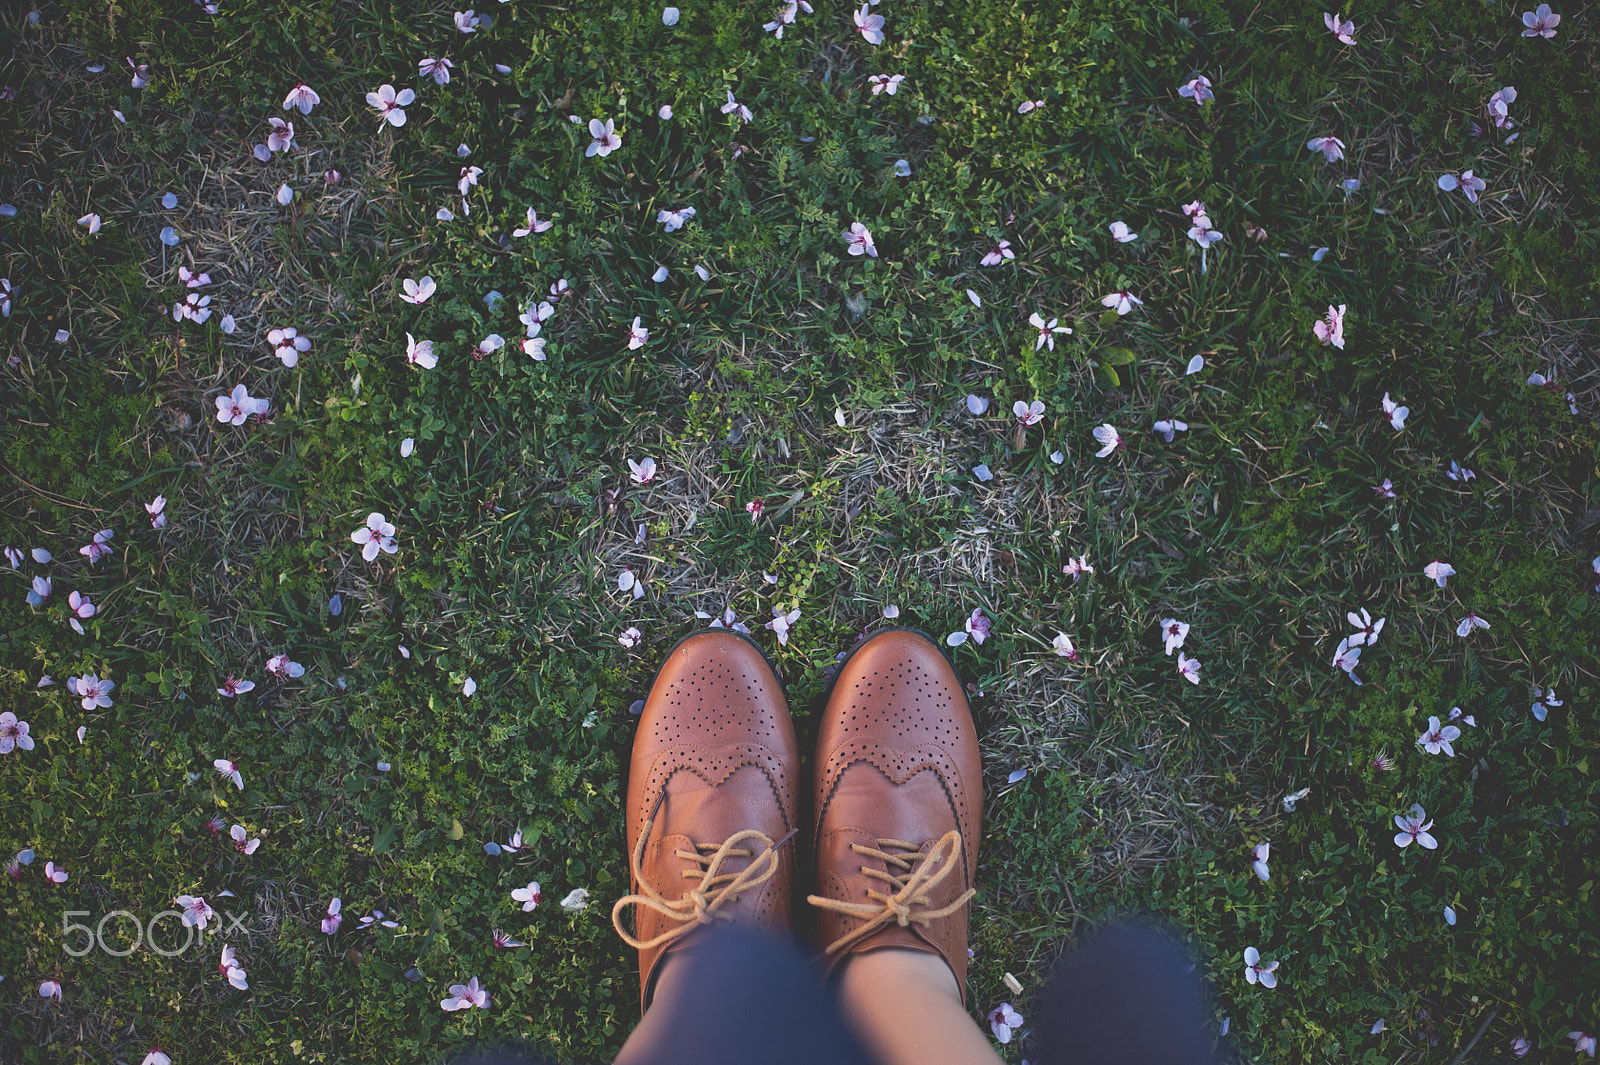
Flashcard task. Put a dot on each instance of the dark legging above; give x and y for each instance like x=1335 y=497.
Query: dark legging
x=1124 y=998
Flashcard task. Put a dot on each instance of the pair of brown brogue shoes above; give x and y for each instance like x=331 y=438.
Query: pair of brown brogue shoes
x=713 y=803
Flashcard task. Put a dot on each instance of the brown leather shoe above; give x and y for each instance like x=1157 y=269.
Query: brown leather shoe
x=899 y=800
x=712 y=800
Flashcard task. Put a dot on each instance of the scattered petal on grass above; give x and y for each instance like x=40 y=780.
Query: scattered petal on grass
x=1542 y=702
x=1197 y=88
x=417 y=291
x=782 y=622
x=999 y=253
x=1028 y=413
x=638 y=335
x=1332 y=148
x=1469 y=184
x=1541 y=22
x=1255 y=971
x=1121 y=301
x=302 y=96
x=1414 y=828
x=604 y=138
x=858 y=239
x=1167 y=428
x=1004 y=1022
x=1394 y=413
x=14 y=734
x=1108 y=438
x=466 y=996
x=530 y=896
x=1344 y=30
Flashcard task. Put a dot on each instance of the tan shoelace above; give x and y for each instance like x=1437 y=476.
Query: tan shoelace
x=917 y=878
x=701 y=903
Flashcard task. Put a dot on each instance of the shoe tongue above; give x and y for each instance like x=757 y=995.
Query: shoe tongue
x=866 y=807
x=740 y=802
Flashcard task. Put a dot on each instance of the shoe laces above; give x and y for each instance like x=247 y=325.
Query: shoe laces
x=701 y=904
x=908 y=898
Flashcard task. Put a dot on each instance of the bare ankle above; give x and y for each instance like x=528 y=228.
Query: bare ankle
x=898 y=966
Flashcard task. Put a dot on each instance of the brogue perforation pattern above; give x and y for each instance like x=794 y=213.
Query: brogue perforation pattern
x=915 y=706
x=714 y=768
x=728 y=689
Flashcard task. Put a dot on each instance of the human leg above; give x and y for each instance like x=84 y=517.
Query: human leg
x=657 y=1030
x=1125 y=997
x=906 y=1007
x=735 y=997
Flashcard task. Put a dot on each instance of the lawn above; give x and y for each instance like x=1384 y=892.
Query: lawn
x=834 y=430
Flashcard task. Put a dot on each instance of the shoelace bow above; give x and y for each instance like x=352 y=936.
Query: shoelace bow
x=701 y=903
x=912 y=887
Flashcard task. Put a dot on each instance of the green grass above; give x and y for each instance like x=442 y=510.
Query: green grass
x=1258 y=526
